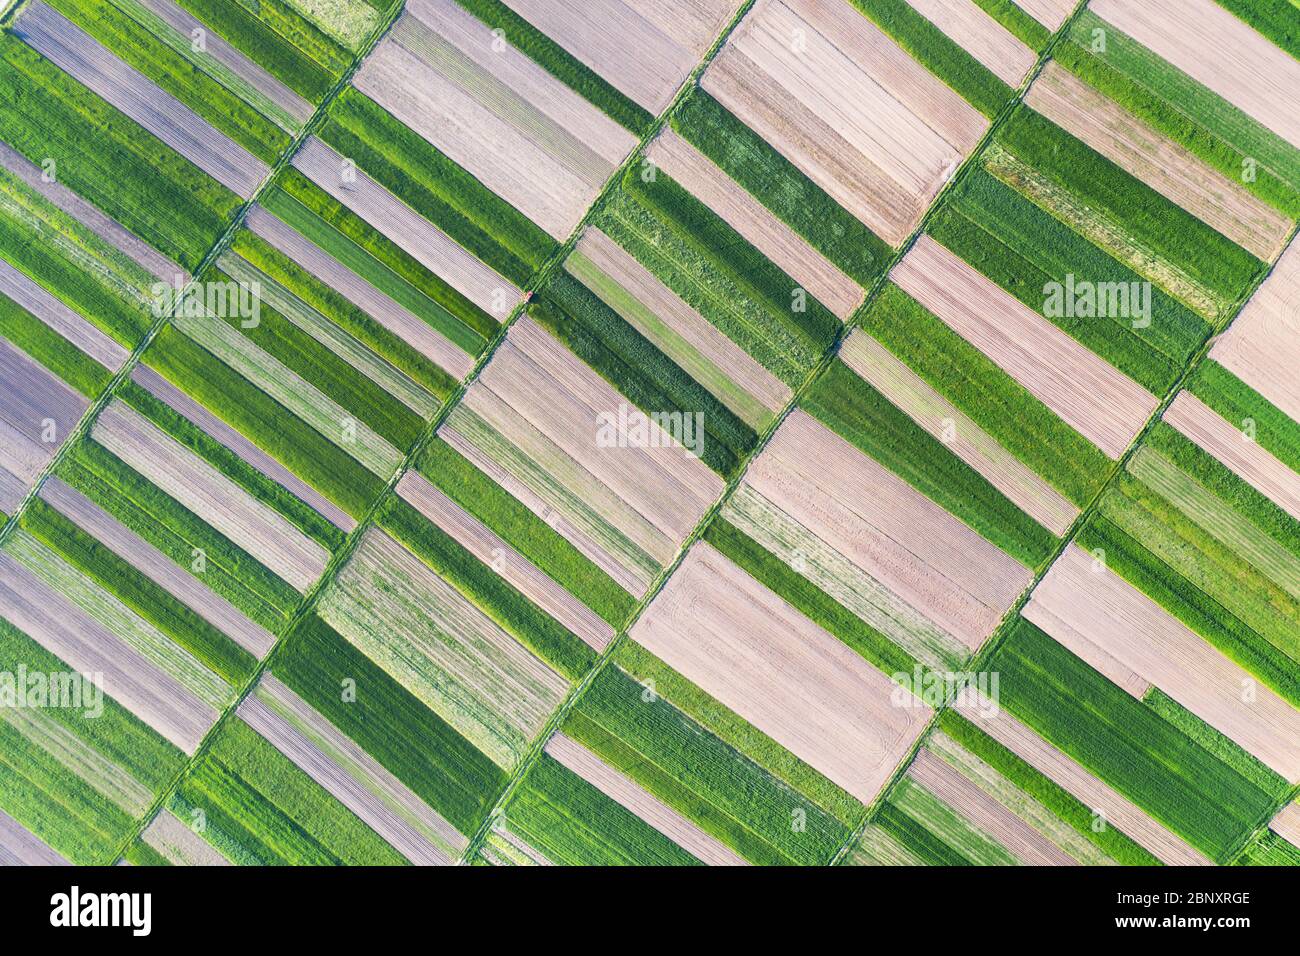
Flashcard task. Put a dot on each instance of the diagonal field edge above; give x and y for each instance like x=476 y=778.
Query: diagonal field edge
x=869 y=296
x=345 y=552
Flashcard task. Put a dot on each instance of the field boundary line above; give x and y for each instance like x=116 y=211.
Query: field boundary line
x=1004 y=626
x=538 y=280
x=219 y=247
x=818 y=369
x=557 y=717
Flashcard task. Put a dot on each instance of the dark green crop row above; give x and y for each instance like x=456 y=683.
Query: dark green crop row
x=706 y=780
x=1250 y=504
x=176 y=532
x=938 y=54
x=136 y=46
x=865 y=418
x=702 y=709
x=52 y=350
x=215 y=650
x=48 y=797
x=102 y=293
x=301 y=515
x=1152 y=222
x=282 y=41
x=107 y=158
x=631 y=363
x=782 y=187
x=983 y=392
x=1022 y=248
x=343 y=313
x=572 y=823
x=390 y=724
x=377 y=259
x=807 y=598
x=806 y=333
x=497 y=598
x=260 y=809
x=525 y=532
x=267 y=423
x=1237 y=402
x=436 y=187
x=1126 y=743
x=1018 y=23
x=1111 y=841
x=1173 y=103
x=553 y=58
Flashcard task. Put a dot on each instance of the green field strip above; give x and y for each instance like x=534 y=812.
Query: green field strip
x=1078 y=177
x=389 y=723
x=266 y=490
x=258 y=808
x=574 y=824
x=1275 y=19
x=72 y=263
x=1017 y=22
x=470 y=334
x=1250 y=504
x=136 y=632
x=818 y=606
x=783 y=188
x=340 y=311
x=644 y=736
x=930 y=47
x=283 y=435
x=1170 y=101
x=1269 y=849
x=269 y=379
x=557 y=61
x=524 y=531
x=667 y=340
x=348 y=22
x=123 y=169
x=1216 y=743
x=175 y=74
x=1237 y=402
x=436 y=187
x=42 y=343
x=359 y=396
x=184 y=44
x=737 y=733
x=1071 y=811
x=692 y=240
x=987 y=395
x=1198 y=610
x=944 y=824
x=1049 y=824
x=43 y=793
x=1155 y=514
x=177 y=532
x=493 y=595
x=855 y=411
x=637 y=369
x=1152 y=762
x=415 y=401
x=208 y=645
x=285 y=44
x=1023 y=249
x=914 y=836
x=588 y=517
